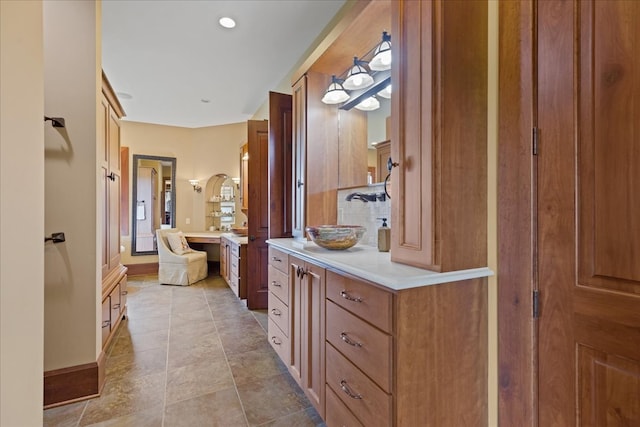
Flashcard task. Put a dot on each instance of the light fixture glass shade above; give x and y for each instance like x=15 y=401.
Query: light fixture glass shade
x=386 y=92
x=335 y=94
x=369 y=104
x=381 y=60
x=358 y=77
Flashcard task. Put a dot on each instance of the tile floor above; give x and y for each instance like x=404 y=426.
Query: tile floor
x=190 y=356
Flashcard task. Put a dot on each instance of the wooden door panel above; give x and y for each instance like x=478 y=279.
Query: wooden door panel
x=608 y=388
x=609 y=153
x=280 y=178
x=588 y=221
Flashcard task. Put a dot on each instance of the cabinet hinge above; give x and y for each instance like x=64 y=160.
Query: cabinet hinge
x=534 y=140
x=536 y=304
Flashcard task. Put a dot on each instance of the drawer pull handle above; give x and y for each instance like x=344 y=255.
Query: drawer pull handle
x=106 y=323
x=346 y=296
x=276 y=312
x=274 y=283
x=275 y=341
x=124 y=292
x=115 y=306
x=276 y=259
x=344 y=337
x=348 y=392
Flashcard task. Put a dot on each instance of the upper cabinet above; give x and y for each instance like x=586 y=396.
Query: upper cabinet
x=439 y=134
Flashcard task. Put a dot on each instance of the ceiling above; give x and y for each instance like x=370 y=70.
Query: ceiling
x=181 y=68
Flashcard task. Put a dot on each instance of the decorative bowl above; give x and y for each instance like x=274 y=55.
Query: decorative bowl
x=240 y=231
x=336 y=237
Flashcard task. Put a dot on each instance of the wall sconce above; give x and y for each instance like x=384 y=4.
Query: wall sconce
x=196 y=187
x=358 y=77
x=381 y=60
x=369 y=104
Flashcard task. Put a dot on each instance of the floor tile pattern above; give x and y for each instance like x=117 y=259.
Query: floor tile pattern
x=190 y=356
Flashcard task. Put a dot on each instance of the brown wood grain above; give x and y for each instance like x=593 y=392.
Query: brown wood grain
x=439 y=134
x=280 y=178
x=322 y=150
x=441 y=355
x=516 y=366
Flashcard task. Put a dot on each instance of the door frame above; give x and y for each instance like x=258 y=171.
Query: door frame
x=517 y=327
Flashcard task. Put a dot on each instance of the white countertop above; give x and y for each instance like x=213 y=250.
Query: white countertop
x=241 y=240
x=368 y=263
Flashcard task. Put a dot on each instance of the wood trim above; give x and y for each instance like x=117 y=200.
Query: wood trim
x=70 y=384
x=516 y=222
x=140 y=269
x=110 y=94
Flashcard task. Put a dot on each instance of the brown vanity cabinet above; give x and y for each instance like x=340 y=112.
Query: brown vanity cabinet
x=233 y=265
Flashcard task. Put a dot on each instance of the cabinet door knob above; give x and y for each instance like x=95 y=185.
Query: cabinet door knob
x=112 y=176
x=300 y=183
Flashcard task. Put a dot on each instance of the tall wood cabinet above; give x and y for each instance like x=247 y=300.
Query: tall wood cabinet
x=114 y=277
x=439 y=134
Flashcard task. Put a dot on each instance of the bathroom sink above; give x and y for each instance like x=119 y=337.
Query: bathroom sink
x=336 y=237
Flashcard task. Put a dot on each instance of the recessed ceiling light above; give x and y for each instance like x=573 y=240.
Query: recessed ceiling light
x=124 y=95
x=227 y=22
x=205 y=101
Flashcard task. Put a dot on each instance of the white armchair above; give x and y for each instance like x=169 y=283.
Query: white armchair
x=174 y=269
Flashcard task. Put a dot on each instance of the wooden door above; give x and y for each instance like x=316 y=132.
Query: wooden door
x=280 y=177
x=258 y=215
x=588 y=201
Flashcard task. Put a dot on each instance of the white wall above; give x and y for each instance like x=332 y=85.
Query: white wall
x=72 y=277
x=22 y=213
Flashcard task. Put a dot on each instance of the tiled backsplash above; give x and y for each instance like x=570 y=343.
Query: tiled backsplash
x=357 y=212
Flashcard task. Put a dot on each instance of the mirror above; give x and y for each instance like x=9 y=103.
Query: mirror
x=153 y=202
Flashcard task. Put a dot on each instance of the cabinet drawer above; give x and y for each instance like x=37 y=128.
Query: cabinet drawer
x=235 y=250
x=235 y=265
x=123 y=293
x=337 y=414
x=279 y=342
x=279 y=313
x=362 y=299
x=234 y=283
x=279 y=259
x=368 y=402
x=365 y=346
x=279 y=284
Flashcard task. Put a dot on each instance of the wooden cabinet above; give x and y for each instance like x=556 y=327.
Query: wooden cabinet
x=114 y=277
x=233 y=265
x=114 y=305
x=383 y=357
x=279 y=309
x=439 y=134
x=296 y=321
x=383 y=152
x=307 y=330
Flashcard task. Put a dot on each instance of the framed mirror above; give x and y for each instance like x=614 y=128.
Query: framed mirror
x=153 y=201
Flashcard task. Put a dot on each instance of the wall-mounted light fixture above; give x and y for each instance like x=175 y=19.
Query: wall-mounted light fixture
x=381 y=60
x=369 y=104
x=196 y=185
x=369 y=75
x=335 y=94
x=358 y=77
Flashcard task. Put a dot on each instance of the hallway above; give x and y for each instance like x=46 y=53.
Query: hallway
x=190 y=356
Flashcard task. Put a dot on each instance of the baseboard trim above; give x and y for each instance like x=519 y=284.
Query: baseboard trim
x=140 y=269
x=75 y=383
